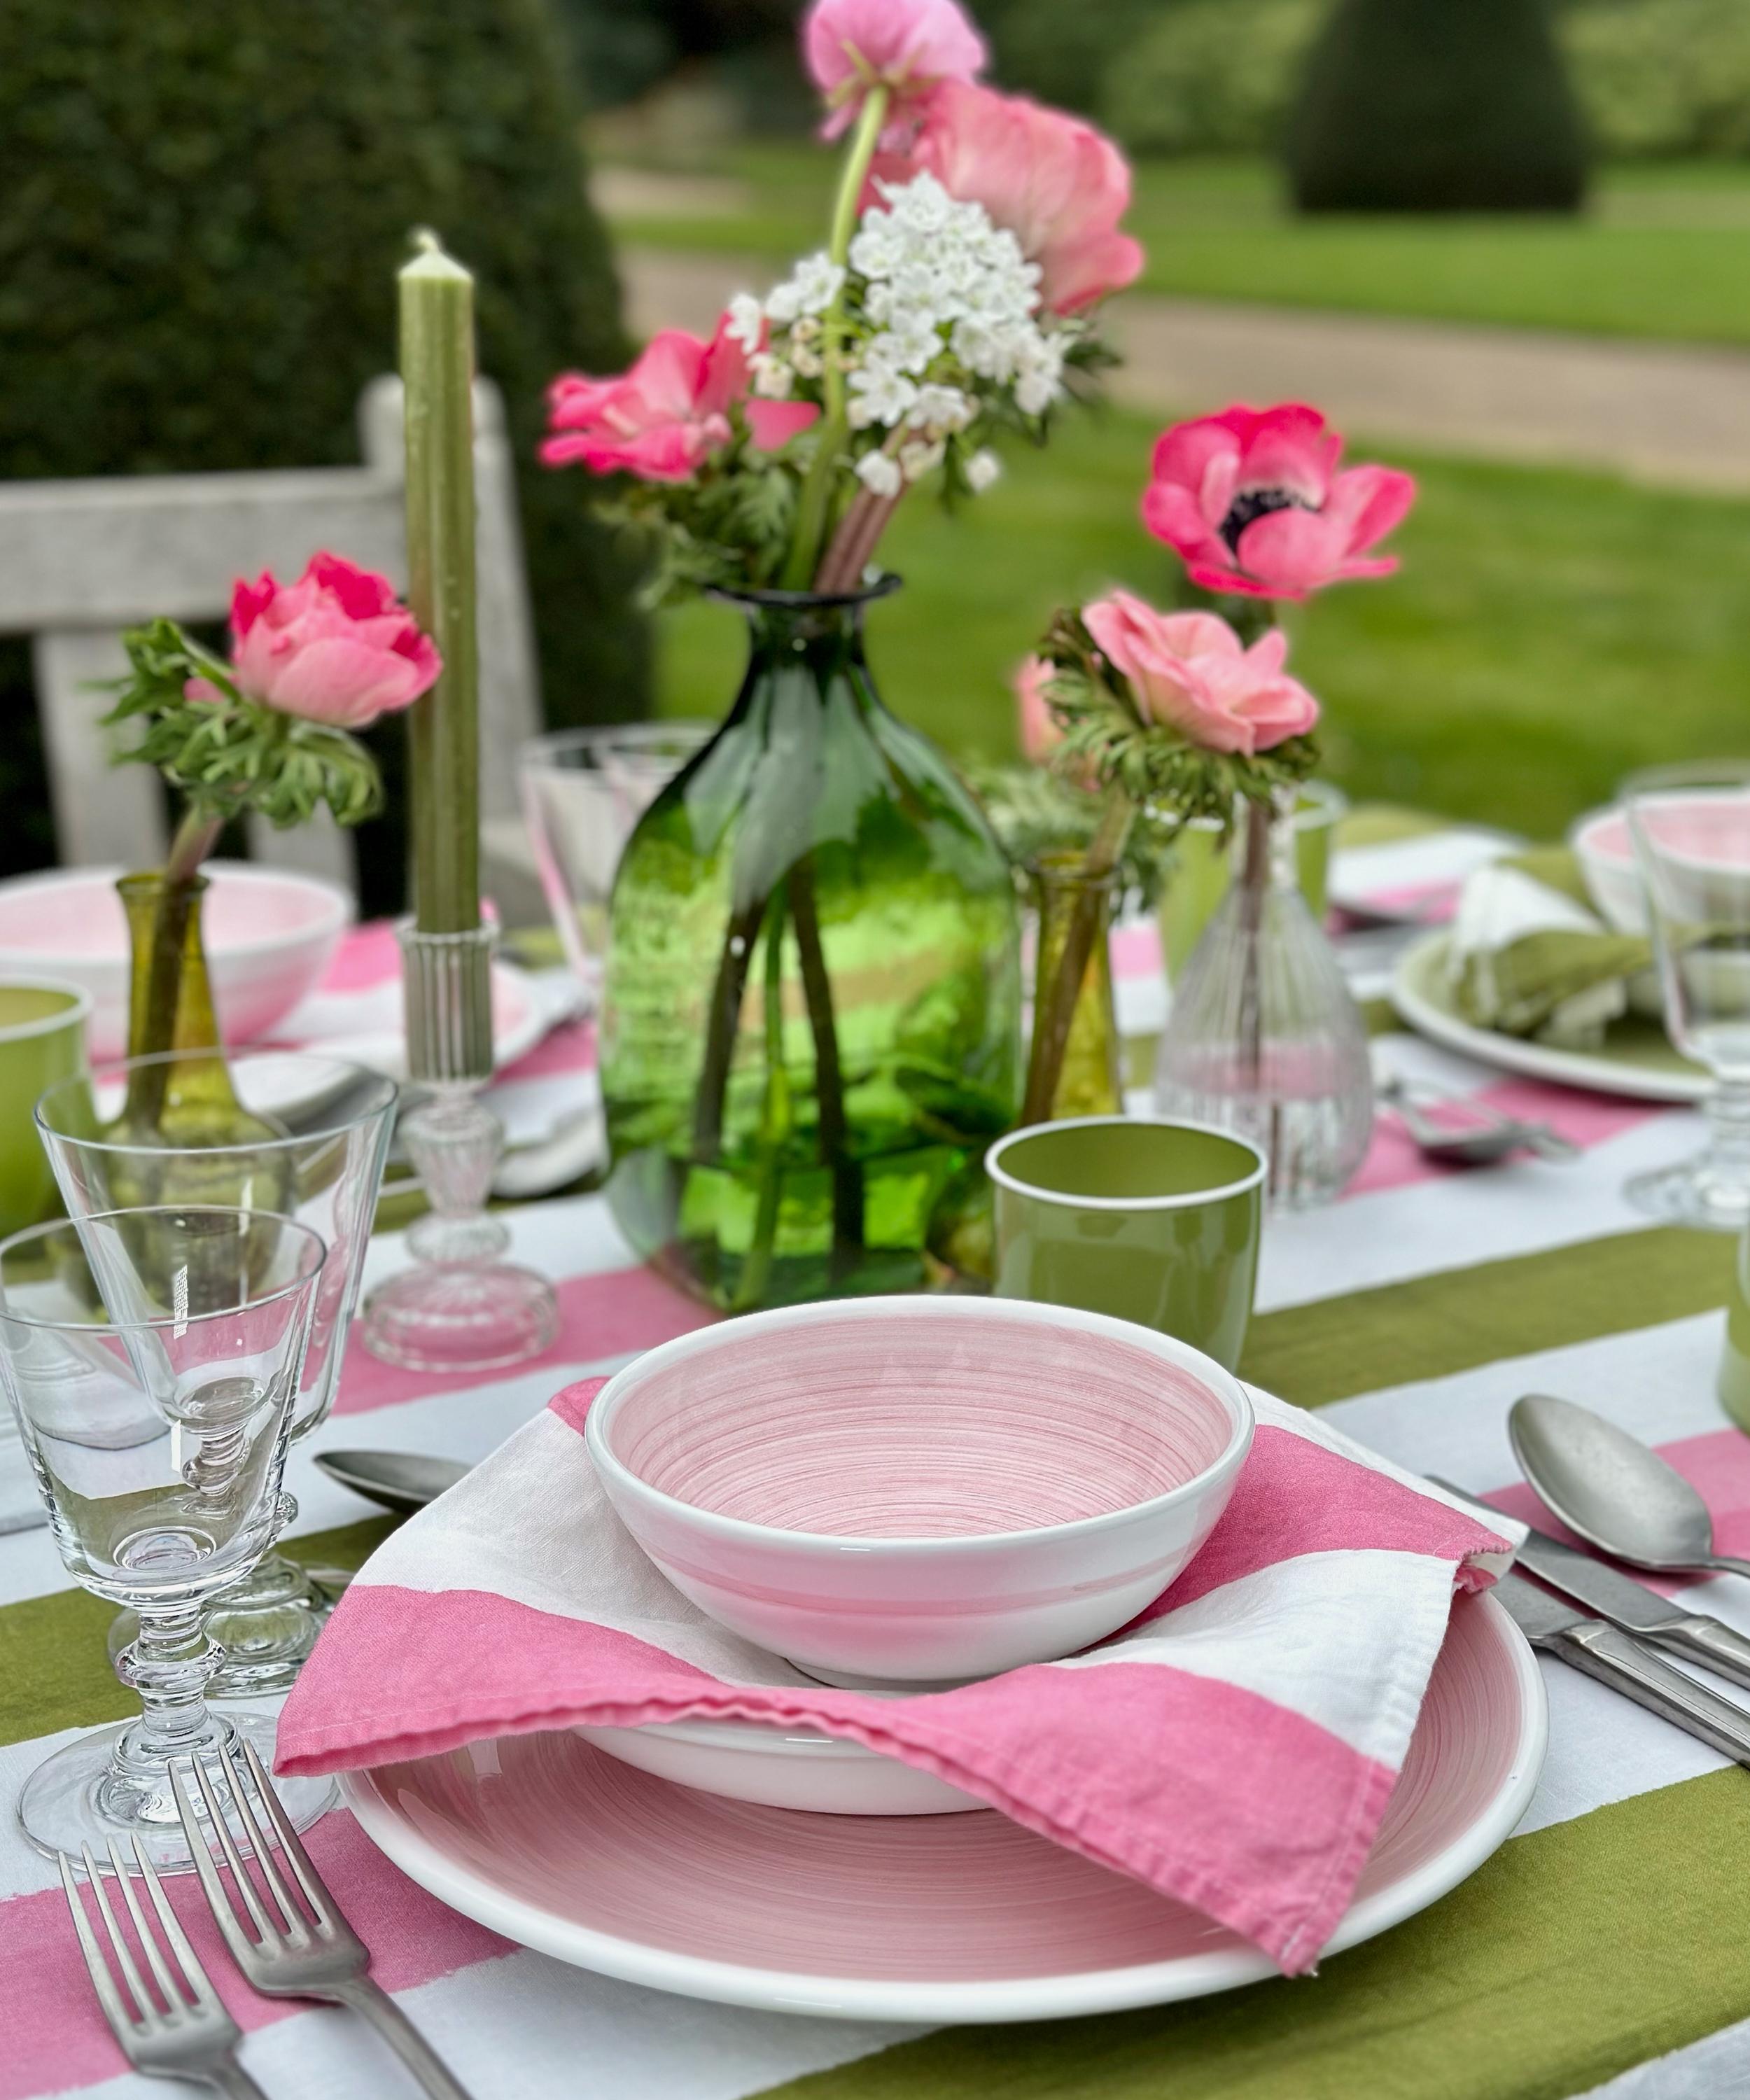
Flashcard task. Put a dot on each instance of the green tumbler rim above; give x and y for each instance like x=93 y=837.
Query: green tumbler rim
x=1185 y=1200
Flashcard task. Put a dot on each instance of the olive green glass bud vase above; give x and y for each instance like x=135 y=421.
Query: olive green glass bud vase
x=810 y=1024
x=1090 y=1079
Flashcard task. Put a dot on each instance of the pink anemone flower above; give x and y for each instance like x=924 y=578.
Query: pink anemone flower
x=1190 y=671
x=907 y=47
x=1253 y=502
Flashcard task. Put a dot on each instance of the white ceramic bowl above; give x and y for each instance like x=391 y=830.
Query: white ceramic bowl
x=268 y=931
x=920 y=1490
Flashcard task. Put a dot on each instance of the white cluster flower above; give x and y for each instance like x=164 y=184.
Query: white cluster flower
x=984 y=469
x=920 y=457
x=747 y=322
x=772 y=379
x=938 y=275
x=879 y=475
x=810 y=289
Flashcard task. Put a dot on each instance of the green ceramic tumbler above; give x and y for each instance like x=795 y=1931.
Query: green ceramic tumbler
x=41 y=1040
x=1149 y=1219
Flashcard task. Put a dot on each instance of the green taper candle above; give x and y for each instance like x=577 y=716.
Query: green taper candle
x=436 y=374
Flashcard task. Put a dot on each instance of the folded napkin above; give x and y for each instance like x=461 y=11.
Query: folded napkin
x=1235 y=1747
x=1529 y=956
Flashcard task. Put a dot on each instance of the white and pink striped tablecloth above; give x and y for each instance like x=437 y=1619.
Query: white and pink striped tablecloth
x=1379 y=1291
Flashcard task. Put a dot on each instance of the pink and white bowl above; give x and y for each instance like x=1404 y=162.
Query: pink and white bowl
x=269 y=933
x=920 y=1490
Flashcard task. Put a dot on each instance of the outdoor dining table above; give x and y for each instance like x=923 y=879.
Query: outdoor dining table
x=1605 y=1949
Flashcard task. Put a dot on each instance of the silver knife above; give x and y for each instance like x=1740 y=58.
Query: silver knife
x=1620 y=1660
x=1697 y=1636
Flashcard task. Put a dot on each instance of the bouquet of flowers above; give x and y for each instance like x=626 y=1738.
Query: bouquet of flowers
x=972 y=235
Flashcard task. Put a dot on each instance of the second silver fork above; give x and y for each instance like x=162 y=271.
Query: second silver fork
x=309 y=1951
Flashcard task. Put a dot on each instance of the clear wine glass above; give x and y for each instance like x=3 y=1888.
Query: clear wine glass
x=1690 y=826
x=321 y=1129
x=583 y=790
x=151 y=1358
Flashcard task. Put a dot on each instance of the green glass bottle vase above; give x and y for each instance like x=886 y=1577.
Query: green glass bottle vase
x=810 y=1026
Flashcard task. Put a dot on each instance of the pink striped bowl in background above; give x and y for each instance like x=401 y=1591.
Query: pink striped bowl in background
x=919 y=1490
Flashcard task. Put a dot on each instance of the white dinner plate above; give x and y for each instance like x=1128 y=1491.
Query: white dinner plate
x=1636 y=1060
x=937 y=1918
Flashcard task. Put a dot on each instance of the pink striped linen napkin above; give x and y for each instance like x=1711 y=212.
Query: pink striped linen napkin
x=1235 y=1747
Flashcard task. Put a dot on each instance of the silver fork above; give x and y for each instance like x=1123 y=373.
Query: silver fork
x=309 y=1952
x=192 y=2036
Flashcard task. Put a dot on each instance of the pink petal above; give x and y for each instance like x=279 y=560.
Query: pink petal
x=360 y=593
x=773 y=424
x=345 y=683
x=250 y=600
x=1292 y=551
x=1368 y=502
x=1171 y=513
x=1213 y=578
x=1183 y=454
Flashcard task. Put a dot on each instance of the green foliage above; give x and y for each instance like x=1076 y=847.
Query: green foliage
x=1424 y=105
x=1662 y=77
x=1209 y=77
x=227 y=754
x=1035 y=811
x=1109 y=737
x=202 y=209
x=1060 y=54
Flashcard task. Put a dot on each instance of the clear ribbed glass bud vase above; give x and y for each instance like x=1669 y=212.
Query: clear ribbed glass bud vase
x=1264 y=1037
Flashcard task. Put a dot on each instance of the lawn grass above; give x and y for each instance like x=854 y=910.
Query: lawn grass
x=1663 y=250
x=1549 y=630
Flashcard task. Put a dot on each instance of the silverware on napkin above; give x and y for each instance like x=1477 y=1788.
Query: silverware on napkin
x=1610 y=1488
x=190 y=2035
x=310 y=1951
x=399 y=1480
x=1625 y=1602
x=1627 y=1666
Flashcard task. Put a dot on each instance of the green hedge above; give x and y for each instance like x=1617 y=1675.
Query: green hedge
x=1665 y=78
x=1436 y=105
x=201 y=211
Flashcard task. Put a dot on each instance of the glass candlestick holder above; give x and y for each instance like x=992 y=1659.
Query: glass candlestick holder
x=461 y=1307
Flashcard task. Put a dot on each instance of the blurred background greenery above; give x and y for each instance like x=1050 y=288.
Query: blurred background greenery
x=201 y=212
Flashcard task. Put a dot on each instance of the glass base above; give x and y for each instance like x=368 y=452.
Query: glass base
x=442 y=1317
x=1695 y=1192
x=100 y=1790
x=265 y=1627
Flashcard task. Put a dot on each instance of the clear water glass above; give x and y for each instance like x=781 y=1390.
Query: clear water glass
x=321 y=1127
x=151 y=1358
x=1690 y=825
x=583 y=790
x=1264 y=1037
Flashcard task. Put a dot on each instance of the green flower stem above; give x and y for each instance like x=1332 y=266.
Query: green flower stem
x=1254 y=881
x=1052 y=1022
x=829 y=1077
x=776 y=1122
x=196 y=836
x=721 y=1028
x=816 y=499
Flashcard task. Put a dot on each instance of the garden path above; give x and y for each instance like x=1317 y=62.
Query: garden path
x=1661 y=412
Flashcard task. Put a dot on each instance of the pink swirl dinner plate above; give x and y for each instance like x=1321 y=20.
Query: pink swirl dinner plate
x=939 y=1918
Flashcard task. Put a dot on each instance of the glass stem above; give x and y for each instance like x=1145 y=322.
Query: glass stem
x=169 y=1663
x=1052 y=1023
x=829 y=1077
x=1728 y=1112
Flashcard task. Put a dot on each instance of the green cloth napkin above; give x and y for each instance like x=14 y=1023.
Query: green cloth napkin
x=1529 y=956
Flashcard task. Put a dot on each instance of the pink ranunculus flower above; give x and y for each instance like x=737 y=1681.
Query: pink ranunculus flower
x=908 y=47
x=663 y=418
x=1253 y=502
x=1035 y=724
x=337 y=646
x=1190 y=672
x=1057 y=184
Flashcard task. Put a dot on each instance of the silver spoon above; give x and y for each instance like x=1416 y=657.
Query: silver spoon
x=1606 y=1485
x=397 y=1480
x=1488 y=1138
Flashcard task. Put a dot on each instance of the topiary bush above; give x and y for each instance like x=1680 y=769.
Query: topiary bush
x=1210 y=77
x=1435 y=106
x=1662 y=77
x=201 y=212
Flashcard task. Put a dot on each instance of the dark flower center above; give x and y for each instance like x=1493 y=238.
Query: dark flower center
x=1257 y=503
